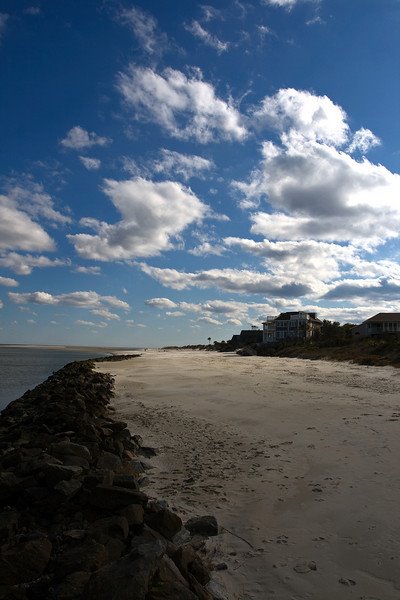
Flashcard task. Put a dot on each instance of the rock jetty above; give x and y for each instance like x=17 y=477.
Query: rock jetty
x=74 y=523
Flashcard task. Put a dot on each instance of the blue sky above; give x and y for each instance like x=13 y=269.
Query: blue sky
x=172 y=171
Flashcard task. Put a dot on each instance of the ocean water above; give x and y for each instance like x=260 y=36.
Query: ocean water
x=24 y=368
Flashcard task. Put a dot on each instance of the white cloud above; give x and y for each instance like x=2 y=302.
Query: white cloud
x=87 y=299
x=175 y=313
x=19 y=231
x=31 y=197
x=288 y=4
x=315 y=189
x=106 y=314
x=153 y=214
x=91 y=164
x=186 y=165
x=88 y=270
x=23 y=264
x=230 y=280
x=185 y=107
x=206 y=249
x=144 y=27
x=210 y=12
x=209 y=321
x=1 y=304
x=90 y=323
x=357 y=290
x=161 y=303
x=314 y=117
x=363 y=140
x=8 y=281
x=319 y=192
x=78 y=138
x=308 y=261
x=196 y=29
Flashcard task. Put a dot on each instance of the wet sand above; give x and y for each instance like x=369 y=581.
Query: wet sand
x=297 y=459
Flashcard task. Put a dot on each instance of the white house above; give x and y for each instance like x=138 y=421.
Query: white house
x=378 y=325
x=290 y=326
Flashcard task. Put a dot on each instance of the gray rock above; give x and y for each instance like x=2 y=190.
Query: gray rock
x=107 y=460
x=88 y=556
x=113 y=498
x=206 y=525
x=127 y=578
x=73 y=586
x=116 y=526
x=69 y=449
x=68 y=489
x=165 y=522
x=25 y=562
x=53 y=474
x=168 y=584
x=134 y=514
x=126 y=481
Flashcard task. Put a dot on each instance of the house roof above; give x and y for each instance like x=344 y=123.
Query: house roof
x=285 y=316
x=383 y=317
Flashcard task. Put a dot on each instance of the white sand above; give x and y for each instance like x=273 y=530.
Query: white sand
x=300 y=458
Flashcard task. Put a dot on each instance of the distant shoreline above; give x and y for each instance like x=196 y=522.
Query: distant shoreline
x=71 y=348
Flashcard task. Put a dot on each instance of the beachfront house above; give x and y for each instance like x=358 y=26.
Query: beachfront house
x=290 y=326
x=378 y=325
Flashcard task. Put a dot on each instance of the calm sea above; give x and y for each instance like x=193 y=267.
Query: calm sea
x=24 y=368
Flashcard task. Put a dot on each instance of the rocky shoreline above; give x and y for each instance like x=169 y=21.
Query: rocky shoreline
x=74 y=522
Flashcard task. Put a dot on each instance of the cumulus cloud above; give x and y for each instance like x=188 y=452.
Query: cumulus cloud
x=230 y=280
x=175 y=313
x=78 y=138
x=153 y=214
x=363 y=140
x=19 y=231
x=314 y=117
x=356 y=290
x=209 y=320
x=91 y=164
x=106 y=314
x=186 y=107
x=87 y=299
x=31 y=197
x=90 y=323
x=207 y=249
x=161 y=303
x=185 y=165
x=8 y=281
x=315 y=189
x=198 y=31
x=235 y=312
x=144 y=27
x=88 y=270
x=307 y=261
x=23 y=264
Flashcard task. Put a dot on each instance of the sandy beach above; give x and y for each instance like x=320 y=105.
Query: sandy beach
x=297 y=459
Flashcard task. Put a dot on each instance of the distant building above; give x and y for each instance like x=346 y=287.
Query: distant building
x=290 y=326
x=248 y=336
x=378 y=325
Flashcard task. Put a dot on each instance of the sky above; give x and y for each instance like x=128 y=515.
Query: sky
x=173 y=171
